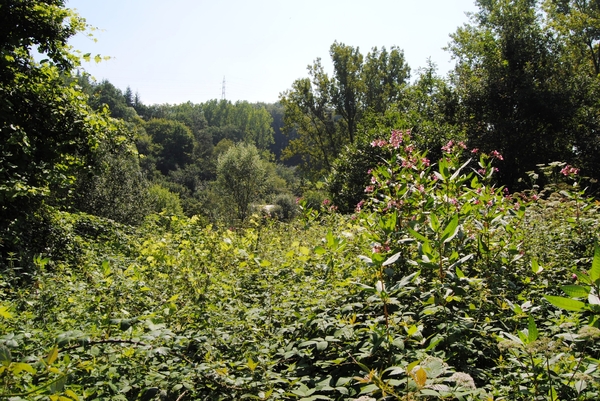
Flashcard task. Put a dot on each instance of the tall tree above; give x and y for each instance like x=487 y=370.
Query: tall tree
x=173 y=142
x=576 y=23
x=47 y=130
x=326 y=111
x=510 y=86
x=241 y=175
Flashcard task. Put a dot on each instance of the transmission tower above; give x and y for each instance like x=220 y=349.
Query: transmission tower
x=223 y=89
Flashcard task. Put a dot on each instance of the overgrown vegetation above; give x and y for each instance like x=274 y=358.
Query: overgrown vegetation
x=165 y=253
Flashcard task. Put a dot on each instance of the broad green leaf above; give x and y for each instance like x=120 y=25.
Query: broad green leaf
x=319 y=250
x=576 y=291
x=430 y=392
x=434 y=223
x=459 y=273
x=22 y=367
x=457 y=172
x=595 y=270
x=322 y=345
x=535 y=267
x=392 y=259
x=5 y=356
x=416 y=235
x=58 y=385
x=412 y=330
x=451 y=229
x=4 y=312
x=411 y=366
x=580 y=386
x=52 y=355
x=251 y=364
x=566 y=303
x=532 y=330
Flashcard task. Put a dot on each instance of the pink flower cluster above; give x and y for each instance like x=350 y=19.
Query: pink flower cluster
x=379 y=143
x=569 y=170
x=497 y=155
x=396 y=138
x=450 y=146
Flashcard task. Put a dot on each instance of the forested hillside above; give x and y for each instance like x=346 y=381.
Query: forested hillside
x=380 y=233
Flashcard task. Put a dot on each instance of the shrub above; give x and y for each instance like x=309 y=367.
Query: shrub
x=288 y=207
x=164 y=200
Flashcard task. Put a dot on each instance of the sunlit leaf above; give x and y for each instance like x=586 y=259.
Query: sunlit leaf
x=5 y=356
x=595 y=270
x=451 y=230
x=566 y=303
x=52 y=355
x=22 y=367
x=532 y=330
x=576 y=291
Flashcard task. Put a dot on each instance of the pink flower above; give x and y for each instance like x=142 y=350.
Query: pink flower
x=474 y=150
x=370 y=188
x=497 y=155
x=378 y=143
x=425 y=162
x=360 y=205
x=396 y=139
x=569 y=170
x=448 y=147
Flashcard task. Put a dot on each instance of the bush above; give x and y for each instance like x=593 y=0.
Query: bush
x=288 y=208
x=164 y=200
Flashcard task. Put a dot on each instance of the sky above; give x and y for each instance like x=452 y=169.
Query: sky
x=191 y=50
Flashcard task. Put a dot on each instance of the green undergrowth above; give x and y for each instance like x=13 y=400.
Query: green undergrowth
x=441 y=287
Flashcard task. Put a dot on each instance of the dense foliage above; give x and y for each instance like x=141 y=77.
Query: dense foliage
x=162 y=252
x=443 y=298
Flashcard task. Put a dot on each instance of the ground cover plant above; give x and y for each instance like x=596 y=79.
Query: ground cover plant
x=440 y=286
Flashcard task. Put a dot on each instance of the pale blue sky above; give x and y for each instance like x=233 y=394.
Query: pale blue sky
x=180 y=50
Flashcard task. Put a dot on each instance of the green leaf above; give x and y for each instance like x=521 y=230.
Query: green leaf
x=322 y=345
x=457 y=172
x=319 y=250
x=451 y=230
x=416 y=235
x=576 y=291
x=595 y=270
x=5 y=313
x=434 y=222
x=535 y=267
x=251 y=364
x=566 y=303
x=20 y=367
x=58 y=385
x=392 y=259
x=532 y=330
x=52 y=355
x=5 y=356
